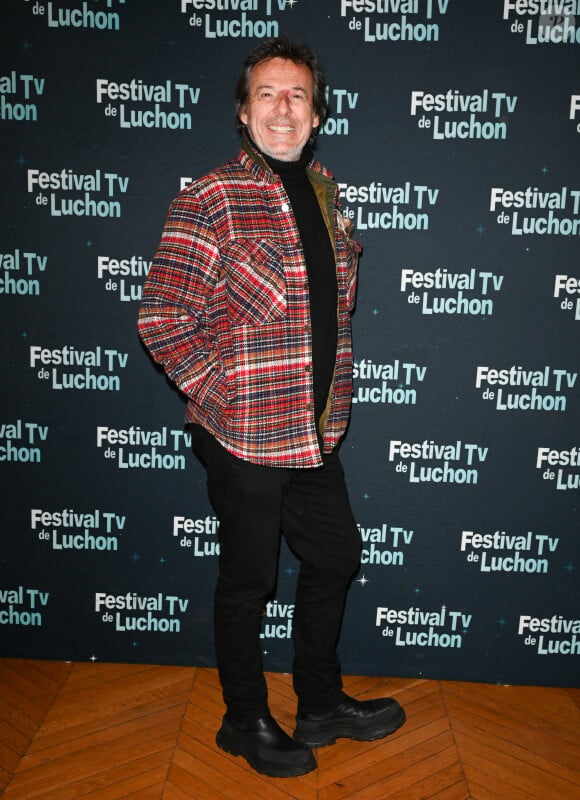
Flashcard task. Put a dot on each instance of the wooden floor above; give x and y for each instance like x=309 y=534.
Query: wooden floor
x=111 y=731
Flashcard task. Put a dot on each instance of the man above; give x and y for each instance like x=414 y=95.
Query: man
x=247 y=306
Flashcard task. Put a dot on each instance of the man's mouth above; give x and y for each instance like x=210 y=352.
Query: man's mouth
x=281 y=128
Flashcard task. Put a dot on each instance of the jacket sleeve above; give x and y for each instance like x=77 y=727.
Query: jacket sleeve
x=173 y=319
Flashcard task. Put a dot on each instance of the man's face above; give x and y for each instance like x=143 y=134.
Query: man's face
x=279 y=113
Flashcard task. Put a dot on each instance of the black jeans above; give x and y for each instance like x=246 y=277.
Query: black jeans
x=255 y=506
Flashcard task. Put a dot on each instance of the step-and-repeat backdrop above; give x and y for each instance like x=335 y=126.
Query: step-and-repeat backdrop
x=454 y=137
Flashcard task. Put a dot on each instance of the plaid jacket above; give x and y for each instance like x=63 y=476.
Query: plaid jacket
x=226 y=312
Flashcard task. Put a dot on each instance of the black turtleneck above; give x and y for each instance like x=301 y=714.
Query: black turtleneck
x=321 y=269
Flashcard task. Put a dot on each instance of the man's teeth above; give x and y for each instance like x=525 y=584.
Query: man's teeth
x=281 y=128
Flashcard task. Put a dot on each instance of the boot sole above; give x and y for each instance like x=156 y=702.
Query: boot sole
x=228 y=744
x=323 y=734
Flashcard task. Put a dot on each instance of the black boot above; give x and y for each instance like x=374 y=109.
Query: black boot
x=363 y=720
x=266 y=747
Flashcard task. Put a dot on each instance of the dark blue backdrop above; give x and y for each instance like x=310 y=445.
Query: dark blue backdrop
x=454 y=136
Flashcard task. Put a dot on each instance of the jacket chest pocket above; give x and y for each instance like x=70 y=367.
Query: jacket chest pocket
x=255 y=282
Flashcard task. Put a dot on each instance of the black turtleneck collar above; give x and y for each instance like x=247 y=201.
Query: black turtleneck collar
x=288 y=167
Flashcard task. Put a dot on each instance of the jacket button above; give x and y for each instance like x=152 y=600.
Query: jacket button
x=285 y=207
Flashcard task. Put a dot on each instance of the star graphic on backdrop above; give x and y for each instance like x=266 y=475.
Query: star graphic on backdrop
x=416 y=590
x=162 y=560
x=291 y=3
x=545 y=170
x=93 y=658
x=289 y=571
x=570 y=568
x=25 y=46
x=362 y=580
x=376 y=311
x=501 y=621
x=480 y=230
x=135 y=557
x=89 y=243
x=366 y=496
x=21 y=161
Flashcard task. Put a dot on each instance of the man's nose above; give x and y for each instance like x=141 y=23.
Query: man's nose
x=283 y=103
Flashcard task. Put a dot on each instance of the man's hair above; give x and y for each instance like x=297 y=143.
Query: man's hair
x=299 y=53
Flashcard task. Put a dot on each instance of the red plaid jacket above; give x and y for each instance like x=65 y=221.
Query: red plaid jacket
x=226 y=312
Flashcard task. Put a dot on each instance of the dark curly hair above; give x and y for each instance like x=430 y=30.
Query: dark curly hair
x=299 y=53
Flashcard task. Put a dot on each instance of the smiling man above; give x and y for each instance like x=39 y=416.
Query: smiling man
x=278 y=111
x=247 y=307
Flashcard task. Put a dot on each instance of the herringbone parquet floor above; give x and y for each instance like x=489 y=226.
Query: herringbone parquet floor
x=112 y=731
